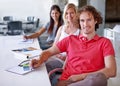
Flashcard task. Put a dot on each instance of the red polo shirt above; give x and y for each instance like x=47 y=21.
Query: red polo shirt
x=84 y=56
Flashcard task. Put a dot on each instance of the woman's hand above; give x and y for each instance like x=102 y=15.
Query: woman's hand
x=25 y=37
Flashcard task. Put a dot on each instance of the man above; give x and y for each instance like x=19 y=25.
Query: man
x=90 y=58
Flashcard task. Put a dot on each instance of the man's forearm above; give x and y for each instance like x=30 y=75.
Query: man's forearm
x=48 y=53
x=44 y=56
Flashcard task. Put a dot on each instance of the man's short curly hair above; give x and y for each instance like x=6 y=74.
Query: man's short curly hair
x=94 y=12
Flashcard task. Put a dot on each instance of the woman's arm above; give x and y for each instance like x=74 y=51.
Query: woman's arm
x=35 y=35
x=58 y=35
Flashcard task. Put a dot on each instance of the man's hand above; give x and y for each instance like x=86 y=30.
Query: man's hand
x=75 y=78
x=35 y=63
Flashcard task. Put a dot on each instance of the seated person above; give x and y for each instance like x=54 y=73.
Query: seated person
x=51 y=27
x=90 y=57
x=70 y=27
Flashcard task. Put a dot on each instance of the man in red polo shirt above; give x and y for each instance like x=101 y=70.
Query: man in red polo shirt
x=90 y=57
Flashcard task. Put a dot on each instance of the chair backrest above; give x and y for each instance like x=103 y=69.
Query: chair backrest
x=14 y=28
x=37 y=23
x=114 y=36
x=30 y=18
x=7 y=18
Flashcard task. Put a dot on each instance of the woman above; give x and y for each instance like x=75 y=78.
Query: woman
x=70 y=27
x=51 y=27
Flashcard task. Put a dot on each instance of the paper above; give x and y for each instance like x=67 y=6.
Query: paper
x=28 y=41
x=26 y=53
x=20 y=69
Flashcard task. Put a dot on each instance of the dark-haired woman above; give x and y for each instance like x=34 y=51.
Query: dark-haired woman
x=51 y=27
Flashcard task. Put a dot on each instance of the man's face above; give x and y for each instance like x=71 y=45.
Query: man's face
x=87 y=22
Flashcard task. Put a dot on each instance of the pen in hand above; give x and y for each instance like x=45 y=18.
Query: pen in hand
x=35 y=63
x=25 y=37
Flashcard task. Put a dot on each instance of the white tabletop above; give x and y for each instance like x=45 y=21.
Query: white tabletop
x=38 y=77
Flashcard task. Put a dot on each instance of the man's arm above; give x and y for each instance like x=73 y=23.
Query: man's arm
x=109 y=70
x=44 y=56
x=110 y=67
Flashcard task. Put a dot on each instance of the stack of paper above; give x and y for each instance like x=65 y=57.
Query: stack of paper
x=26 y=53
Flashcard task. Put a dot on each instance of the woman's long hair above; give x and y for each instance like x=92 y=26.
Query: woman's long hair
x=50 y=29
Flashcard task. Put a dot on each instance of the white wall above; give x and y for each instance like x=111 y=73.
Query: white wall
x=100 y=6
x=74 y=1
x=20 y=9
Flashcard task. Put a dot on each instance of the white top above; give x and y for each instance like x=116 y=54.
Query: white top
x=38 y=77
x=64 y=34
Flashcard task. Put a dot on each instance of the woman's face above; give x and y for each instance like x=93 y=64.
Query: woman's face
x=70 y=15
x=55 y=15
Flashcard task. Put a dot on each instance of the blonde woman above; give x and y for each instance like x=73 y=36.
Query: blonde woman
x=70 y=27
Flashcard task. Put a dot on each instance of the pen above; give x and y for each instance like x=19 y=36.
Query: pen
x=24 y=62
x=27 y=57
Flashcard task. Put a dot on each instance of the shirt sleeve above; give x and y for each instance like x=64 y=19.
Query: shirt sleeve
x=46 y=25
x=63 y=44
x=108 y=48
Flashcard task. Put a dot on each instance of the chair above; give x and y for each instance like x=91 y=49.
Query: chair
x=32 y=24
x=114 y=36
x=37 y=23
x=29 y=24
x=14 y=28
x=56 y=70
x=7 y=18
x=30 y=18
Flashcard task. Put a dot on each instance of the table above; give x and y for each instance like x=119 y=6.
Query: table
x=38 y=77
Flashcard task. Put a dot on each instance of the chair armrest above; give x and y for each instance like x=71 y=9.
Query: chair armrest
x=58 y=70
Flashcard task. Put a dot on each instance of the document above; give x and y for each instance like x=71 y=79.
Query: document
x=26 y=53
x=19 y=70
x=23 y=68
x=27 y=41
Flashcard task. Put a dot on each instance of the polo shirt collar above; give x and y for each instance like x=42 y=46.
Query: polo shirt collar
x=82 y=38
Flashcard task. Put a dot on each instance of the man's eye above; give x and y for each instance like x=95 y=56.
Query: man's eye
x=82 y=20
